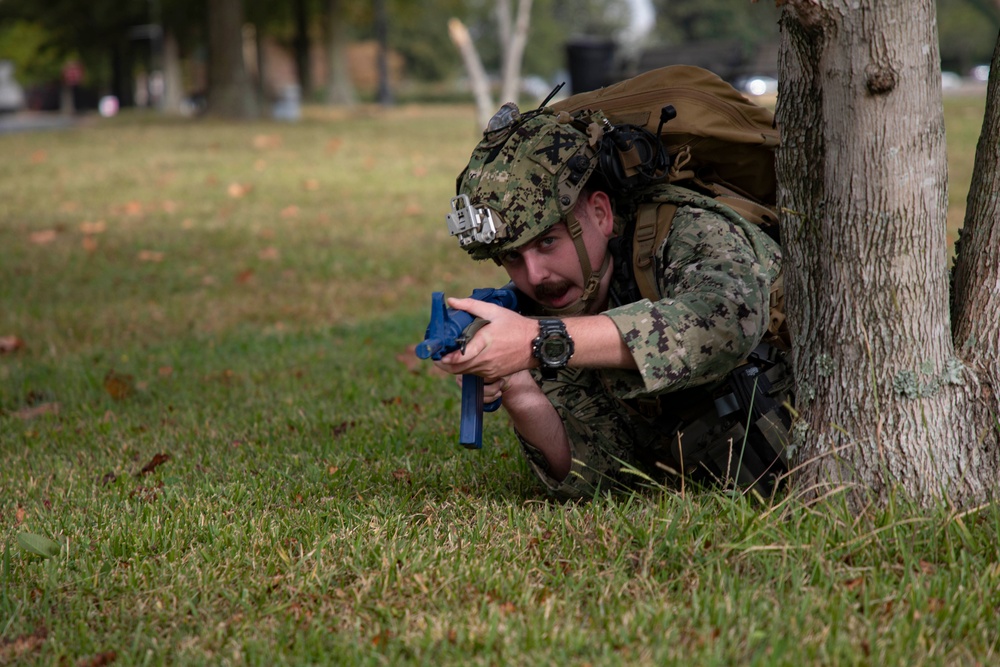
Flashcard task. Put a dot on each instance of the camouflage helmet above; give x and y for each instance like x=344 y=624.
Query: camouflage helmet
x=523 y=178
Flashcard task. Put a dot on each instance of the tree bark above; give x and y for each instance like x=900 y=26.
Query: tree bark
x=339 y=87
x=230 y=93
x=300 y=45
x=884 y=402
x=382 y=34
x=977 y=267
x=173 y=85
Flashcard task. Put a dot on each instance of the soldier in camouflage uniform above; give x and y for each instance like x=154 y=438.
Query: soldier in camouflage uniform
x=598 y=381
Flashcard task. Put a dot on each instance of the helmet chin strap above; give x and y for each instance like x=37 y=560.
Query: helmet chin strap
x=592 y=281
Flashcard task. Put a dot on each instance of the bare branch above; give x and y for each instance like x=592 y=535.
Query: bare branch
x=474 y=67
x=514 y=53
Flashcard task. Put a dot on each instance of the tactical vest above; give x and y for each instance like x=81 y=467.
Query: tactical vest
x=752 y=449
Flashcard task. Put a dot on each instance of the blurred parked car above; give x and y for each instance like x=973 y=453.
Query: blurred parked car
x=980 y=73
x=11 y=93
x=756 y=84
x=950 y=80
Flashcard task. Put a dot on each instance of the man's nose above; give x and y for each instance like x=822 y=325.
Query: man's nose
x=536 y=269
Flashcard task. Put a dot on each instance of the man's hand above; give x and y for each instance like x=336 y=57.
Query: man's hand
x=509 y=388
x=499 y=349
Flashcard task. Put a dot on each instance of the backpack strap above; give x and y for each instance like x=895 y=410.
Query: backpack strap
x=652 y=224
x=653 y=221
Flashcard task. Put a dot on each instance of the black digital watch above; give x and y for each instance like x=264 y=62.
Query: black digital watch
x=553 y=347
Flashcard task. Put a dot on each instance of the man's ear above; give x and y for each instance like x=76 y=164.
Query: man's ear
x=604 y=214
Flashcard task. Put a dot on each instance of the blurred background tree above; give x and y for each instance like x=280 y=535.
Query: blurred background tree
x=122 y=43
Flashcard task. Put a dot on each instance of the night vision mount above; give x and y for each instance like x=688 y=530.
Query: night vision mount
x=470 y=224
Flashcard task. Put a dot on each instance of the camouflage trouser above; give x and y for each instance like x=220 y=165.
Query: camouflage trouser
x=611 y=438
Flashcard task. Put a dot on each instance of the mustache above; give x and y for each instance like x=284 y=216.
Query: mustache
x=552 y=290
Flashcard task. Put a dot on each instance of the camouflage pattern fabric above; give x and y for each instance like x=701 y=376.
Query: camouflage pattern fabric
x=530 y=175
x=606 y=437
x=714 y=272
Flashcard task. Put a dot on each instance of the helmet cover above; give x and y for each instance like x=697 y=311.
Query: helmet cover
x=524 y=177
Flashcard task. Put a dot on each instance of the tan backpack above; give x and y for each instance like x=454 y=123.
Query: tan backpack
x=720 y=143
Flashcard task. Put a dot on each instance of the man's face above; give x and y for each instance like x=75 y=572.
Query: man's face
x=547 y=269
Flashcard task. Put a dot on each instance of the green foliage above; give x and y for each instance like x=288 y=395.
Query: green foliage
x=419 y=31
x=33 y=51
x=968 y=33
x=38 y=545
x=680 y=21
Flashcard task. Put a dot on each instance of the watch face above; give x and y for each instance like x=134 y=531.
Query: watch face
x=555 y=350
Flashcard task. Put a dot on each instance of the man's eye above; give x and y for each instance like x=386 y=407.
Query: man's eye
x=548 y=241
x=509 y=257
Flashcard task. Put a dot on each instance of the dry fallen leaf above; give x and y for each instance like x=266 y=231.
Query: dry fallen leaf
x=10 y=344
x=341 y=428
x=413 y=210
x=237 y=190
x=290 y=211
x=507 y=608
x=89 y=243
x=43 y=237
x=96 y=227
x=311 y=184
x=37 y=411
x=334 y=145
x=14 y=650
x=269 y=254
x=119 y=386
x=39 y=157
x=154 y=463
x=166 y=371
x=99 y=660
x=265 y=141
x=133 y=208
x=150 y=256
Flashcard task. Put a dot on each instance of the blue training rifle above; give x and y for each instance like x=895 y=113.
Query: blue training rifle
x=449 y=330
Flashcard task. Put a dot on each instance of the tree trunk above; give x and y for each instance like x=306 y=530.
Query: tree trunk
x=382 y=33
x=173 y=86
x=977 y=267
x=230 y=93
x=300 y=45
x=884 y=402
x=339 y=87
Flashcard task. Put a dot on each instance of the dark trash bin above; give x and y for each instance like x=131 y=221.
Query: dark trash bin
x=590 y=61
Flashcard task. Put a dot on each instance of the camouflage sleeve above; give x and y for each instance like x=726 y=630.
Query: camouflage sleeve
x=714 y=276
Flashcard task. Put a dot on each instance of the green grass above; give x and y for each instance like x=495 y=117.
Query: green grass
x=314 y=507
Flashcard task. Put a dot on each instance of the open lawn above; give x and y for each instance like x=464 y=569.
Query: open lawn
x=218 y=448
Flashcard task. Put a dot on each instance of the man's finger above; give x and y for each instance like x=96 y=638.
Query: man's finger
x=475 y=307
